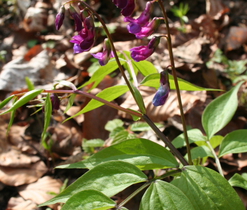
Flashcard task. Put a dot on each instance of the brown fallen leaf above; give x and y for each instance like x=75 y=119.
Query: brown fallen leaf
x=40 y=191
x=19 y=176
x=19 y=203
x=236 y=37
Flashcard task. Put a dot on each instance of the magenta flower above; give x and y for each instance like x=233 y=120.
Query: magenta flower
x=135 y=25
x=85 y=39
x=104 y=56
x=163 y=91
x=143 y=52
x=59 y=18
x=76 y=17
x=148 y=29
x=121 y=3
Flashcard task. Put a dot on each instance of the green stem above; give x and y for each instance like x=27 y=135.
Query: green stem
x=115 y=106
x=165 y=140
x=169 y=43
x=217 y=161
x=133 y=195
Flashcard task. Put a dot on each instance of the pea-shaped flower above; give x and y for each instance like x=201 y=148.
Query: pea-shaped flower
x=104 y=56
x=77 y=18
x=163 y=91
x=59 y=18
x=143 y=52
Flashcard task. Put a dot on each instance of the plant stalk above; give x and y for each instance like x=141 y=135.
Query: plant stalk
x=217 y=161
x=168 y=37
x=165 y=140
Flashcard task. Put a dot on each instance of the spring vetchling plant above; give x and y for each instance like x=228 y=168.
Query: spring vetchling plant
x=113 y=169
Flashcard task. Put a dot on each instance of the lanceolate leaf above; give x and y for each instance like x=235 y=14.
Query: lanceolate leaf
x=48 y=112
x=109 y=178
x=145 y=67
x=5 y=101
x=152 y=80
x=162 y=195
x=89 y=200
x=108 y=94
x=207 y=189
x=23 y=100
x=234 y=142
x=142 y=153
x=220 y=111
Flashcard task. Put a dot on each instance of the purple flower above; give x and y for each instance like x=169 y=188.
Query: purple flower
x=129 y=9
x=55 y=101
x=104 y=56
x=76 y=17
x=85 y=38
x=143 y=52
x=163 y=91
x=135 y=25
x=148 y=29
x=60 y=18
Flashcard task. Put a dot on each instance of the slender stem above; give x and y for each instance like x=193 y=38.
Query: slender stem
x=133 y=195
x=165 y=140
x=115 y=106
x=176 y=81
x=217 y=161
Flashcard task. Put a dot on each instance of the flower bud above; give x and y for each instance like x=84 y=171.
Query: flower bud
x=121 y=3
x=55 y=101
x=143 y=52
x=163 y=91
x=59 y=18
x=76 y=17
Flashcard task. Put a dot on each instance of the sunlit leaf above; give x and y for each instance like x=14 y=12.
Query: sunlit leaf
x=48 y=113
x=238 y=180
x=220 y=111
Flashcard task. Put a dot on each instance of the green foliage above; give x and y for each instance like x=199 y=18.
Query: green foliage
x=142 y=153
x=90 y=145
x=108 y=178
x=238 y=180
x=206 y=189
x=220 y=111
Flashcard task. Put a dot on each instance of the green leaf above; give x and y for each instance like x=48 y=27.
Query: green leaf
x=70 y=102
x=23 y=100
x=238 y=180
x=215 y=141
x=109 y=178
x=111 y=125
x=5 y=101
x=123 y=136
x=29 y=83
x=143 y=126
x=234 y=142
x=108 y=94
x=89 y=200
x=207 y=189
x=48 y=113
x=194 y=135
x=99 y=75
x=94 y=143
x=201 y=152
x=12 y=117
x=143 y=153
x=145 y=67
x=220 y=111
x=153 y=80
x=162 y=195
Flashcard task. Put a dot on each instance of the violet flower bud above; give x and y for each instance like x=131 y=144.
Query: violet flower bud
x=148 y=29
x=55 y=101
x=85 y=39
x=129 y=9
x=104 y=56
x=143 y=52
x=76 y=17
x=59 y=18
x=163 y=91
